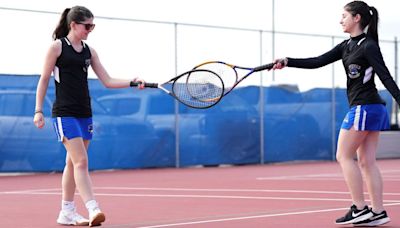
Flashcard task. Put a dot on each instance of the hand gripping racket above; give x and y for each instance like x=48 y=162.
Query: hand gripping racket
x=229 y=72
x=199 y=88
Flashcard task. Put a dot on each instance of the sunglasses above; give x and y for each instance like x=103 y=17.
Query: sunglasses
x=87 y=26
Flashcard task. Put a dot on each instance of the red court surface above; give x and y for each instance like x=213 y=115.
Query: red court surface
x=273 y=195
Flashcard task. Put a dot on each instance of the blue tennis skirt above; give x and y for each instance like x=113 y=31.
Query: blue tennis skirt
x=371 y=117
x=72 y=127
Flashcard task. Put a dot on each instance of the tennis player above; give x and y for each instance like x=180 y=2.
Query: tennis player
x=359 y=133
x=69 y=58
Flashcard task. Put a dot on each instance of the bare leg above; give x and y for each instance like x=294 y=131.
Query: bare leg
x=373 y=178
x=77 y=154
x=348 y=143
x=68 y=180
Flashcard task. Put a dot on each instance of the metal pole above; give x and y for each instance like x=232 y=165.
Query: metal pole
x=333 y=123
x=261 y=103
x=177 y=138
x=396 y=107
x=273 y=36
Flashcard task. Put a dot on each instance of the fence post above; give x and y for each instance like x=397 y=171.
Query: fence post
x=396 y=107
x=177 y=138
x=333 y=123
x=261 y=103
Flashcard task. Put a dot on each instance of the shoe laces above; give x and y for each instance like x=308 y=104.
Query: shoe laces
x=95 y=211
x=78 y=217
x=73 y=215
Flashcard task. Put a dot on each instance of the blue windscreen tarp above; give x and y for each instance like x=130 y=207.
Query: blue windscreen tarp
x=148 y=128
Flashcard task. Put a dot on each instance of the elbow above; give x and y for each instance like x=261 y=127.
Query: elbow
x=107 y=84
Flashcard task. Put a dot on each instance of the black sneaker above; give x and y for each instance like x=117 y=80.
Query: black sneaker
x=375 y=220
x=354 y=215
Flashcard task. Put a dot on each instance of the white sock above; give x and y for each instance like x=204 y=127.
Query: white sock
x=92 y=205
x=377 y=212
x=67 y=205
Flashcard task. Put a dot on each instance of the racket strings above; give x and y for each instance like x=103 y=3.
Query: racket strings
x=227 y=73
x=199 y=88
x=203 y=90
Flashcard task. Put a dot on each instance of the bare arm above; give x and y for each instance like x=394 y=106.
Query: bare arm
x=50 y=61
x=103 y=75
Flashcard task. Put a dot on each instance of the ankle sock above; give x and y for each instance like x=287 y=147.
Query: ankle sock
x=377 y=212
x=67 y=205
x=91 y=205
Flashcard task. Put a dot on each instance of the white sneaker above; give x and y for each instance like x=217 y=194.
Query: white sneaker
x=72 y=218
x=96 y=217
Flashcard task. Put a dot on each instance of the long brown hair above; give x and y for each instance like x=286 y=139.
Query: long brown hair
x=369 y=17
x=77 y=14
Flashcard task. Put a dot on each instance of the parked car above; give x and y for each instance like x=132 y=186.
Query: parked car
x=227 y=133
x=117 y=143
x=22 y=148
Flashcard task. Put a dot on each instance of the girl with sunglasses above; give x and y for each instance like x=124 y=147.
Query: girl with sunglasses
x=69 y=58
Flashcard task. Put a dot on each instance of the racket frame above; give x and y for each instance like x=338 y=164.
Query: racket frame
x=234 y=67
x=172 y=81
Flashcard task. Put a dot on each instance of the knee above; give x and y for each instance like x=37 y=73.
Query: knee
x=69 y=164
x=364 y=163
x=340 y=157
x=81 y=163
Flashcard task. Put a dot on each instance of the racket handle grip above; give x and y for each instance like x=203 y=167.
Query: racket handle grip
x=264 y=67
x=149 y=85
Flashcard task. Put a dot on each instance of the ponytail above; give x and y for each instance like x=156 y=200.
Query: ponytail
x=373 y=24
x=62 y=28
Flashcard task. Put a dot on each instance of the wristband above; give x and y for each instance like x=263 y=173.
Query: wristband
x=38 y=111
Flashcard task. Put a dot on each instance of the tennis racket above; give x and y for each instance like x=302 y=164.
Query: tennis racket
x=229 y=72
x=199 y=88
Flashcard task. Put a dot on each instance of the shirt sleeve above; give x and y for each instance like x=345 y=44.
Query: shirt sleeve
x=375 y=59
x=316 y=62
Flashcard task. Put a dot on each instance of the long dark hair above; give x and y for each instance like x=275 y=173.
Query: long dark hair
x=77 y=14
x=369 y=17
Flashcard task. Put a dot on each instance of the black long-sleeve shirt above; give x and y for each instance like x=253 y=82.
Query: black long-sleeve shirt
x=362 y=58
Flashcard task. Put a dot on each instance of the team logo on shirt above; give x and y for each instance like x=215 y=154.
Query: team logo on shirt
x=354 y=71
x=87 y=64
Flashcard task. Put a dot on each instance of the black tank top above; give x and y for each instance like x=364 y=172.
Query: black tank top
x=71 y=82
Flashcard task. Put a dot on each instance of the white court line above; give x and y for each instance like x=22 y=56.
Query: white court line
x=300 y=176
x=53 y=190
x=251 y=217
x=329 y=176
x=302 y=179
x=31 y=190
x=200 y=196
x=391 y=171
x=320 y=179
x=231 y=190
